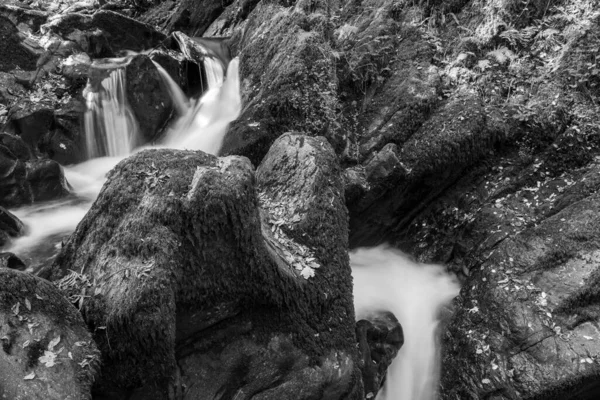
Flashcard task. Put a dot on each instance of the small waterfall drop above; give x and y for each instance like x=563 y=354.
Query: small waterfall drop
x=205 y=123
x=386 y=280
x=201 y=126
x=180 y=101
x=110 y=126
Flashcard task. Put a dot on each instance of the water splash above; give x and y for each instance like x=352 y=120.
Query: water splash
x=110 y=126
x=386 y=280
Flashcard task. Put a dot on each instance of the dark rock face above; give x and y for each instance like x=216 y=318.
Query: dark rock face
x=47 y=351
x=14 y=49
x=193 y=17
x=196 y=260
x=402 y=180
x=9 y=260
x=31 y=121
x=379 y=340
x=10 y=226
x=148 y=97
x=46 y=179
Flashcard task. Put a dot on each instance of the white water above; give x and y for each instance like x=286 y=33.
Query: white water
x=201 y=125
x=387 y=280
x=110 y=126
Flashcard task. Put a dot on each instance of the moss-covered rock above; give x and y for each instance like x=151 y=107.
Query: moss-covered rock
x=47 y=351
x=189 y=257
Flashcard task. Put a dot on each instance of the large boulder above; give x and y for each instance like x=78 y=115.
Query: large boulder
x=289 y=80
x=47 y=351
x=527 y=326
x=210 y=277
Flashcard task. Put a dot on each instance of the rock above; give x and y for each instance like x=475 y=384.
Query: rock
x=47 y=351
x=194 y=18
x=403 y=180
x=379 y=340
x=231 y=279
x=9 y=260
x=14 y=49
x=16 y=146
x=14 y=189
x=21 y=15
x=76 y=67
x=148 y=97
x=31 y=121
x=46 y=179
x=289 y=81
x=104 y=33
x=532 y=314
x=10 y=225
x=9 y=89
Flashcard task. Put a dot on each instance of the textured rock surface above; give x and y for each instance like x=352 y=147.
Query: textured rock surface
x=190 y=252
x=47 y=352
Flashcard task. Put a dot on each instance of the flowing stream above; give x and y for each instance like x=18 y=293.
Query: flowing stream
x=384 y=279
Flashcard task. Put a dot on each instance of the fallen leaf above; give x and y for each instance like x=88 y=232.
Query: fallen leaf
x=28 y=304
x=48 y=359
x=29 y=377
x=53 y=343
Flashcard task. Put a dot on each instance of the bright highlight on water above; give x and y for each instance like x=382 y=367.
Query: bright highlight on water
x=385 y=279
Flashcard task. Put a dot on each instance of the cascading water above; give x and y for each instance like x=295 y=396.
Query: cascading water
x=201 y=126
x=386 y=280
x=110 y=126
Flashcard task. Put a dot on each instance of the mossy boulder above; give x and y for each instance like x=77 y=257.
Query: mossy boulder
x=288 y=80
x=193 y=259
x=47 y=351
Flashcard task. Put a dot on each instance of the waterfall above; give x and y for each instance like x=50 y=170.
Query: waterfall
x=111 y=130
x=110 y=126
x=180 y=101
x=386 y=280
x=204 y=124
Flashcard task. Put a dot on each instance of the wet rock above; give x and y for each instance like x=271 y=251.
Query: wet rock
x=148 y=97
x=10 y=226
x=11 y=261
x=402 y=180
x=379 y=340
x=217 y=280
x=10 y=90
x=15 y=50
x=31 y=121
x=46 y=179
x=47 y=351
x=104 y=33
